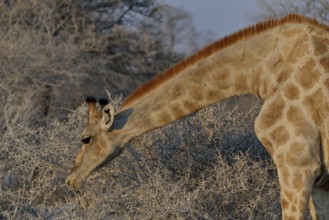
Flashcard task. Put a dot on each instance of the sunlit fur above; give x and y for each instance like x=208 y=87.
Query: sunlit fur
x=219 y=45
x=284 y=61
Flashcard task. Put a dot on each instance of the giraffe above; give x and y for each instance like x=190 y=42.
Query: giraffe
x=283 y=61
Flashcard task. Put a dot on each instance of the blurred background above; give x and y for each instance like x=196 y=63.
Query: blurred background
x=215 y=19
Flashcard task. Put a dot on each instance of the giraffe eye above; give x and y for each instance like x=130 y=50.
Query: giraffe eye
x=86 y=140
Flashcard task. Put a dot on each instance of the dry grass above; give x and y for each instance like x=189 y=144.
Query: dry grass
x=52 y=55
x=202 y=167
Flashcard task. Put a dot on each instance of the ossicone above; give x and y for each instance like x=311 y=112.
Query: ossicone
x=103 y=102
x=90 y=99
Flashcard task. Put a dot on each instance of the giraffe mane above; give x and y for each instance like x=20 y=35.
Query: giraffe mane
x=215 y=47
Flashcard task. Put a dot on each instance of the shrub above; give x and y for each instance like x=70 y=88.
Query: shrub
x=186 y=170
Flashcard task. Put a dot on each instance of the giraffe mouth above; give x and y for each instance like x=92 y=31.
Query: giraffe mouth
x=77 y=177
x=74 y=181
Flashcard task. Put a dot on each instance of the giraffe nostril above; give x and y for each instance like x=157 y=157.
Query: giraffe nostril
x=70 y=181
x=67 y=182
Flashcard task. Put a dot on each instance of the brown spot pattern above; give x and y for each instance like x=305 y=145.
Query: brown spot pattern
x=295 y=156
x=293 y=208
x=298 y=181
x=280 y=135
x=289 y=195
x=189 y=105
x=288 y=217
x=279 y=160
x=303 y=195
x=164 y=117
x=222 y=78
x=217 y=46
x=291 y=91
x=284 y=203
x=308 y=75
x=325 y=63
x=316 y=103
x=177 y=111
x=296 y=117
x=212 y=95
x=298 y=50
x=297 y=148
x=197 y=93
x=305 y=161
x=320 y=45
x=326 y=83
x=291 y=159
x=284 y=175
x=177 y=90
x=283 y=75
x=272 y=113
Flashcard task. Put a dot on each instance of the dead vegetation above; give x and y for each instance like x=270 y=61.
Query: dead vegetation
x=181 y=171
x=209 y=165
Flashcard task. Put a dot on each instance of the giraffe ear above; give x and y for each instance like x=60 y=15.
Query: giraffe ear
x=107 y=117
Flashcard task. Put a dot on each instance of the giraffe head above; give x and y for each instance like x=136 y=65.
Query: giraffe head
x=98 y=147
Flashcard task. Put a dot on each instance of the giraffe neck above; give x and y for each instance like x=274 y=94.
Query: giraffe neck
x=239 y=69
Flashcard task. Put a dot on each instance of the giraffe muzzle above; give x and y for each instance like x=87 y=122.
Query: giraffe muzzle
x=73 y=181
